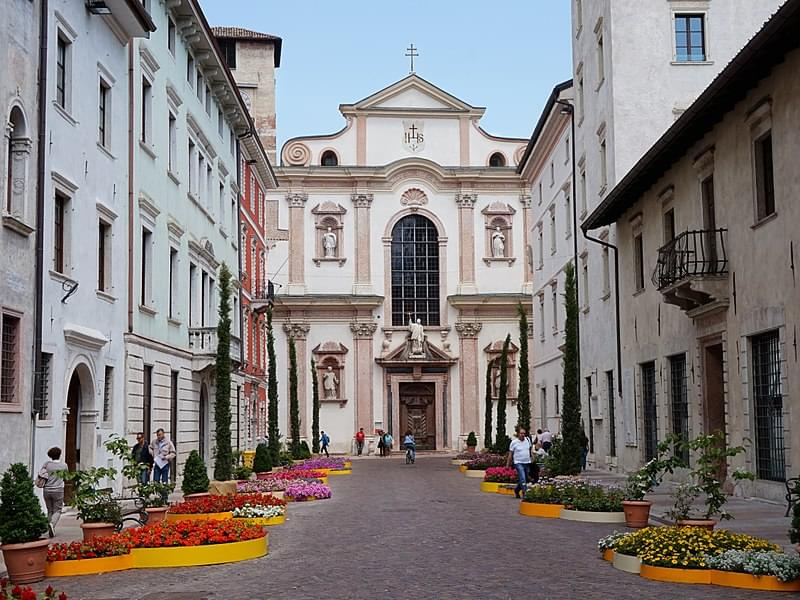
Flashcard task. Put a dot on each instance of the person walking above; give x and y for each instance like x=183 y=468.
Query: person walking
x=360 y=441
x=388 y=440
x=546 y=438
x=584 y=448
x=142 y=457
x=324 y=440
x=519 y=454
x=53 y=489
x=381 y=445
x=163 y=451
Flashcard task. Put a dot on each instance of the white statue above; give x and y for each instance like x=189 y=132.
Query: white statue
x=498 y=244
x=329 y=243
x=329 y=383
x=416 y=336
x=496 y=381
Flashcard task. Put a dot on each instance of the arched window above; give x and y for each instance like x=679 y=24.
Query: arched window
x=497 y=160
x=329 y=159
x=415 y=271
x=18 y=148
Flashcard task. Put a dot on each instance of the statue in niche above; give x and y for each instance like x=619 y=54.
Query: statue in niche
x=416 y=335
x=496 y=380
x=329 y=383
x=498 y=243
x=329 y=243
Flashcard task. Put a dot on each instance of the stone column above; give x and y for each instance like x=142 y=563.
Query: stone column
x=469 y=377
x=299 y=332
x=363 y=331
x=466 y=245
x=297 y=203
x=362 y=283
x=525 y=201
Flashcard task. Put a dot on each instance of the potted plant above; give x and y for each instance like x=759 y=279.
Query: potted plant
x=642 y=482
x=242 y=473
x=195 y=477
x=22 y=525
x=98 y=510
x=262 y=463
x=472 y=442
x=794 y=532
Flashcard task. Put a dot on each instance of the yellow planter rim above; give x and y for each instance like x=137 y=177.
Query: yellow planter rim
x=675 y=575
x=263 y=521
x=222 y=516
x=340 y=472
x=89 y=566
x=491 y=487
x=753 y=582
x=544 y=511
x=190 y=556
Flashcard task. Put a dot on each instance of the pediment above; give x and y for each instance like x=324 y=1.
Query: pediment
x=401 y=355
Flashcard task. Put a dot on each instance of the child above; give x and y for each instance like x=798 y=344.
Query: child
x=410 y=444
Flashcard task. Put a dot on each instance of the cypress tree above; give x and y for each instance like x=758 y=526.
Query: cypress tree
x=272 y=394
x=502 y=441
x=571 y=407
x=294 y=405
x=524 y=394
x=223 y=459
x=314 y=408
x=487 y=419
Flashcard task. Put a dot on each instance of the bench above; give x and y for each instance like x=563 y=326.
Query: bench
x=792 y=493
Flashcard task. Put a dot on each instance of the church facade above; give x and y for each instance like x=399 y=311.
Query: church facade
x=401 y=257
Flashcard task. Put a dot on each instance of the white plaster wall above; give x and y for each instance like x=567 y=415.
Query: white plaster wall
x=482 y=145
x=385 y=140
x=343 y=143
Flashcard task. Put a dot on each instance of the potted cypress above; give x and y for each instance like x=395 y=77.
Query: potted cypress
x=22 y=525
x=195 y=477
x=472 y=442
x=262 y=463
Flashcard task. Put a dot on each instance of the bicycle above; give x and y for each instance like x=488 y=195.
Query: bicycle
x=410 y=455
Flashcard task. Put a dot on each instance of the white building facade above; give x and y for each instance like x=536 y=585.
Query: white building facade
x=631 y=83
x=410 y=212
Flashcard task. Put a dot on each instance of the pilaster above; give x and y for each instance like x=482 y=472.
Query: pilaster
x=299 y=332
x=297 y=202
x=525 y=201
x=363 y=332
x=362 y=204
x=466 y=229
x=470 y=389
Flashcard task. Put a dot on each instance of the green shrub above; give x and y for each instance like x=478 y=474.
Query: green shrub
x=285 y=459
x=596 y=498
x=21 y=516
x=195 y=475
x=242 y=472
x=794 y=532
x=472 y=441
x=262 y=463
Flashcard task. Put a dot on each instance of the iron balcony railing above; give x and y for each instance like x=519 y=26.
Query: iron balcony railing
x=700 y=252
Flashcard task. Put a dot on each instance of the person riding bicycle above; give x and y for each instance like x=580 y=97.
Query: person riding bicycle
x=410 y=444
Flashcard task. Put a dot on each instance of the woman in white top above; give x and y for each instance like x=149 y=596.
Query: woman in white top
x=519 y=452
x=53 y=489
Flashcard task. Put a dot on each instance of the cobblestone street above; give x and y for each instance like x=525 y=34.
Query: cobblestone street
x=395 y=531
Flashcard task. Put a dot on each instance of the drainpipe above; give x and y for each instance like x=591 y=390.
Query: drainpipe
x=41 y=144
x=130 y=186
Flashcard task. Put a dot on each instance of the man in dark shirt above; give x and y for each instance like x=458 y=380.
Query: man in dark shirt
x=142 y=456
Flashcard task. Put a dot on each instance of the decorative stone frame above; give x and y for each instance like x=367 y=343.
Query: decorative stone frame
x=331 y=354
x=493 y=352
x=499 y=214
x=329 y=214
x=759 y=121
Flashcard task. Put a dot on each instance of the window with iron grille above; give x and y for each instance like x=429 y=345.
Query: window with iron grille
x=650 y=409
x=690 y=38
x=44 y=387
x=9 y=359
x=612 y=420
x=415 y=271
x=108 y=393
x=768 y=404
x=765 y=181
x=679 y=401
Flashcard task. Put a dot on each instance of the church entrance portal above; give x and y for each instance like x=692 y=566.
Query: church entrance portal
x=418 y=413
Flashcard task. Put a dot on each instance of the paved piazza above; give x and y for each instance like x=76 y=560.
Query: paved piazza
x=395 y=531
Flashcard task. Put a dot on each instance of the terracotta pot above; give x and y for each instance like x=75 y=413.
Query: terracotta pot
x=637 y=513
x=264 y=475
x=26 y=562
x=471 y=449
x=156 y=514
x=93 y=530
x=702 y=523
x=196 y=496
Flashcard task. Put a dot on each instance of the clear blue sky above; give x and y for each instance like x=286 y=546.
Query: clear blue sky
x=504 y=55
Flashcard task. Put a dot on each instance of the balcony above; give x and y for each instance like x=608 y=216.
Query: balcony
x=692 y=271
x=203 y=344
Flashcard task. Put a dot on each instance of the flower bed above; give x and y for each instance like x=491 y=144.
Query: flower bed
x=259 y=512
x=268 y=486
x=594 y=504
x=337 y=462
x=305 y=490
x=8 y=591
x=500 y=475
x=223 y=504
x=777 y=566
x=298 y=473
x=485 y=461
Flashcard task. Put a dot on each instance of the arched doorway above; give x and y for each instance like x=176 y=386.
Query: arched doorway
x=72 y=443
x=415 y=271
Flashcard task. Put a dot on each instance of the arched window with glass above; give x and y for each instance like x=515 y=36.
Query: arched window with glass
x=415 y=271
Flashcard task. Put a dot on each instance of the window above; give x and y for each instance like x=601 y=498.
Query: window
x=669 y=225
x=768 y=404
x=552 y=174
x=103 y=114
x=638 y=262
x=329 y=159
x=173 y=143
x=200 y=88
x=497 y=160
x=222 y=207
x=690 y=38
x=234 y=221
x=679 y=401
x=147 y=401
x=566 y=151
x=192 y=294
x=583 y=192
x=190 y=69
x=220 y=122
x=9 y=359
x=540 y=235
x=601 y=66
x=209 y=184
x=568 y=213
x=228 y=48
x=552 y=230
x=61 y=205
x=208 y=100
x=556 y=396
x=554 y=298
x=173 y=283
x=589 y=413
x=103 y=256
x=108 y=393
x=606 y=274
x=147 y=108
x=44 y=386
x=233 y=142
x=62 y=71
x=579 y=96
x=543 y=402
x=648 y=372
x=171 y=36
x=17 y=154
x=603 y=167
x=585 y=281
x=201 y=177
x=612 y=419
x=146 y=266
x=415 y=271
x=541 y=316
x=192 y=153
x=765 y=183
x=540 y=192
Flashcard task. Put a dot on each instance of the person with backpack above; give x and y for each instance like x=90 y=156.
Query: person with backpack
x=388 y=440
x=324 y=440
x=360 y=441
x=381 y=446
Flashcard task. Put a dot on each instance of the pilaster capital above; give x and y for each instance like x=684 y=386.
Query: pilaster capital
x=468 y=329
x=525 y=200
x=297 y=199
x=466 y=200
x=298 y=331
x=363 y=329
x=361 y=200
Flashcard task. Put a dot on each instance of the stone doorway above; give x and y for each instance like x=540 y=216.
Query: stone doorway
x=418 y=413
x=72 y=450
x=714 y=393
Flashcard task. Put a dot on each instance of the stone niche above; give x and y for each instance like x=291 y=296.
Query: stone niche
x=331 y=355
x=329 y=219
x=499 y=218
x=493 y=352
